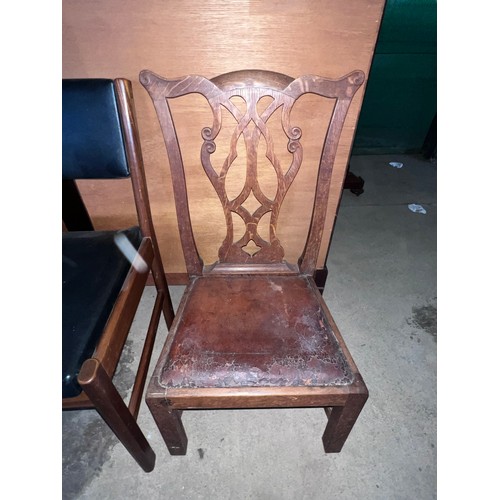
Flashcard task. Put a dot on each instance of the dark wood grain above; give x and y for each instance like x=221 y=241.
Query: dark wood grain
x=147 y=351
x=168 y=420
x=255 y=397
x=100 y=389
x=133 y=151
x=115 y=333
x=341 y=420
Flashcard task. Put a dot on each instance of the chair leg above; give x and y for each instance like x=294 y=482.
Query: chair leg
x=341 y=420
x=169 y=424
x=99 y=387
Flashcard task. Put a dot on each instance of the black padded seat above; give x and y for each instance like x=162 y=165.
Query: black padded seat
x=93 y=273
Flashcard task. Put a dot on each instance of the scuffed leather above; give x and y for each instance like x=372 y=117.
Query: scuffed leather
x=254 y=331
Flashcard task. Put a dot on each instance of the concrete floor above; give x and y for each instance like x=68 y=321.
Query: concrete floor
x=381 y=290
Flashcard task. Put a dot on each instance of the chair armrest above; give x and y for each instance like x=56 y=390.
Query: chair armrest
x=115 y=333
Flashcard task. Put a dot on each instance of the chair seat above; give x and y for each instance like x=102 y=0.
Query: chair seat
x=247 y=331
x=93 y=272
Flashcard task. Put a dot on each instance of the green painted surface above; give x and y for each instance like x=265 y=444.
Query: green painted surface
x=400 y=99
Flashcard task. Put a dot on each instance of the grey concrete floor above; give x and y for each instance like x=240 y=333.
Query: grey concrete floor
x=381 y=290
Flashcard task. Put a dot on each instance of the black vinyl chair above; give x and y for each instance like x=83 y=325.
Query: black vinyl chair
x=105 y=272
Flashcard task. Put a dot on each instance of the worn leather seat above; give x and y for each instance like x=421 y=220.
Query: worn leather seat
x=245 y=331
x=93 y=273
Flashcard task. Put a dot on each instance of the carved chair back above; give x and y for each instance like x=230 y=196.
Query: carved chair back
x=258 y=250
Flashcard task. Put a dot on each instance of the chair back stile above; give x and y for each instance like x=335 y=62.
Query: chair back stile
x=133 y=152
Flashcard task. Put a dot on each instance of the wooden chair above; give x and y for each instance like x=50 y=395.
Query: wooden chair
x=252 y=330
x=103 y=285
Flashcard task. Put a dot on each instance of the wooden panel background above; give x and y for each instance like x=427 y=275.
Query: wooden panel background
x=119 y=38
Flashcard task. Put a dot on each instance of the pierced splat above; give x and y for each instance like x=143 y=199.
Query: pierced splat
x=252 y=98
x=251 y=203
x=251 y=248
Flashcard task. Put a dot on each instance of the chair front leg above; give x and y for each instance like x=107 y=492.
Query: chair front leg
x=100 y=389
x=169 y=424
x=341 y=420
